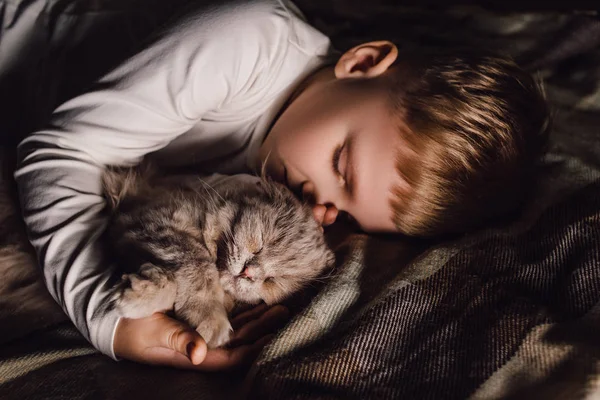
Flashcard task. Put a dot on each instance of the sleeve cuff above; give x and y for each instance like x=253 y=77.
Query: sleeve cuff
x=104 y=336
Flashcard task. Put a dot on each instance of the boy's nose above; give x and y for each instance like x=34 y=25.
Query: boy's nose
x=325 y=214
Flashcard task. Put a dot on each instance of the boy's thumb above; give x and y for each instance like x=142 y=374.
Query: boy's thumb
x=186 y=341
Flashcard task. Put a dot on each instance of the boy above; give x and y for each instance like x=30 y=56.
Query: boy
x=417 y=145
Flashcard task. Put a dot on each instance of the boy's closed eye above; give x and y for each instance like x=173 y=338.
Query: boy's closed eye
x=342 y=165
x=340 y=157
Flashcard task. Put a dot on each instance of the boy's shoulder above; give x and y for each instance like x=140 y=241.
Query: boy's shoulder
x=251 y=32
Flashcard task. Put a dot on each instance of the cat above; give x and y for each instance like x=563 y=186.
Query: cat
x=199 y=246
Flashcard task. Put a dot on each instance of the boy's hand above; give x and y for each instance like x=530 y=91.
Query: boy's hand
x=325 y=215
x=161 y=340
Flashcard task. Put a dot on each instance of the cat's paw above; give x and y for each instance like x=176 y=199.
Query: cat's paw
x=216 y=330
x=141 y=295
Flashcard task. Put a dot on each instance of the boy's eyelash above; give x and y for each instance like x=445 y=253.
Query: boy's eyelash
x=336 y=159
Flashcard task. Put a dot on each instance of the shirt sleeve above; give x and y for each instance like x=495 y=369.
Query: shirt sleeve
x=138 y=108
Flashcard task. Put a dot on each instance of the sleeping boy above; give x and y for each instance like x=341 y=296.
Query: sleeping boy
x=410 y=143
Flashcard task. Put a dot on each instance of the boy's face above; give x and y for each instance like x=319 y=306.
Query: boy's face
x=337 y=144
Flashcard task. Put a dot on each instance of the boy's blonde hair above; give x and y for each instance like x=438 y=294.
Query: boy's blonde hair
x=477 y=125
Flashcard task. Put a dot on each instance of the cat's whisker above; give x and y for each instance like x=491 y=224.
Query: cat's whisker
x=311 y=285
x=209 y=198
x=263 y=168
x=328 y=275
x=319 y=282
x=323 y=279
x=211 y=188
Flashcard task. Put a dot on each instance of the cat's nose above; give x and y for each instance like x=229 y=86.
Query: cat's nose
x=249 y=272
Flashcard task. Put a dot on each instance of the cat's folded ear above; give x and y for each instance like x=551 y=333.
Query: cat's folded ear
x=277 y=192
x=121 y=182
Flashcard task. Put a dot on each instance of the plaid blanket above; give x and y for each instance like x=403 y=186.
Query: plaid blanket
x=510 y=311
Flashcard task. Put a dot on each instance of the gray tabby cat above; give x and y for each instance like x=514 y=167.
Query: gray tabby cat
x=198 y=246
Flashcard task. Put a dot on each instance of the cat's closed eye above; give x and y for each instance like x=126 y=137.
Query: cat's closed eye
x=254 y=243
x=269 y=279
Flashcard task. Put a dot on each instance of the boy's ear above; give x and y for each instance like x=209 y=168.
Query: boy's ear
x=366 y=60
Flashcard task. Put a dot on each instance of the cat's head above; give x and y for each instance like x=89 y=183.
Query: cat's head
x=272 y=247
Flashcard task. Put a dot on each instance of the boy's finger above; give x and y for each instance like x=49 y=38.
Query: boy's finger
x=248 y=315
x=196 y=351
x=182 y=339
x=223 y=359
x=270 y=321
x=166 y=357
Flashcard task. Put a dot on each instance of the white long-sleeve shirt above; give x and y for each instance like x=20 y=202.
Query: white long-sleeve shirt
x=206 y=91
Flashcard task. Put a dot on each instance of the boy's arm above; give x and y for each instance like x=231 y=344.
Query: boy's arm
x=139 y=108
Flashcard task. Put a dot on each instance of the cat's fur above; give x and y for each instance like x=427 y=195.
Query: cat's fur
x=198 y=246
